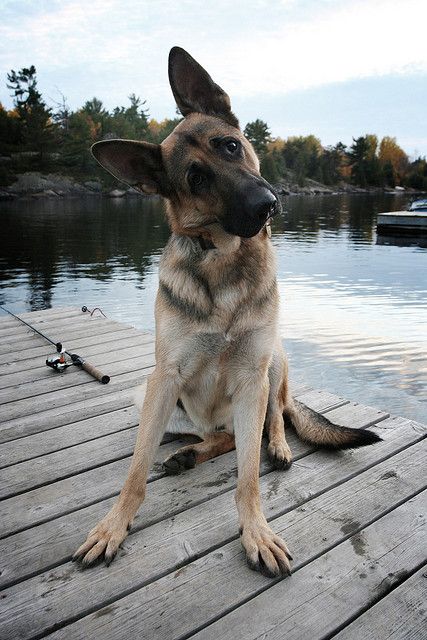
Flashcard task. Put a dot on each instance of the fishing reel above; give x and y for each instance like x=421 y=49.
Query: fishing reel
x=58 y=362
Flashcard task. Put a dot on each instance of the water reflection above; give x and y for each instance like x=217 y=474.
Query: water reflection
x=353 y=311
x=418 y=239
x=49 y=244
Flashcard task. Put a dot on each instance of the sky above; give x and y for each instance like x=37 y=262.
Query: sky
x=334 y=68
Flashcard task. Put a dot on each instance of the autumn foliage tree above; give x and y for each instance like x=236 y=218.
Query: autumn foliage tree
x=394 y=160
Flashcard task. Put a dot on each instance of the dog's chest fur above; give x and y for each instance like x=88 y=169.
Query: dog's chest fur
x=216 y=292
x=216 y=314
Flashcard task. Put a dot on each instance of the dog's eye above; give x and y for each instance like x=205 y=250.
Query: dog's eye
x=232 y=146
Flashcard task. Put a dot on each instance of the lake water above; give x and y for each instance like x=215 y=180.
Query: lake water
x=353 y=312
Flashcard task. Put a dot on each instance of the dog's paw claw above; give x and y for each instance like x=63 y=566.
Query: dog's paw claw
x=266 y=552
x=280 y=456
x=101 y=544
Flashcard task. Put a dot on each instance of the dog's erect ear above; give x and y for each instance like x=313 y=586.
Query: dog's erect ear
x=138 y=164
x=194 y=90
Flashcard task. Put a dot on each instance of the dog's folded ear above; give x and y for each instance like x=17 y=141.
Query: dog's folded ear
x=194 y=90
x=138 y=164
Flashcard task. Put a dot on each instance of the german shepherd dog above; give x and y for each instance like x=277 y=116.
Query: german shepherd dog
x=221 y=372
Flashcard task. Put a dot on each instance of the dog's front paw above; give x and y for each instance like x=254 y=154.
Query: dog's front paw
x=265 y=552
x=103 y=541
x=180 y=461
x=279 y=454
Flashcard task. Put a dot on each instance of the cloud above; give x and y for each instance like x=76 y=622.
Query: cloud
x=275 y=57
x=257 y=47
x=335 y=43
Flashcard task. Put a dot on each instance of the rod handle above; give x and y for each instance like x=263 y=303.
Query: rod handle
x=95 y=373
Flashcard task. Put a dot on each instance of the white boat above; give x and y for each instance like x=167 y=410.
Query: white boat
x=412 y=220
x=418 y=205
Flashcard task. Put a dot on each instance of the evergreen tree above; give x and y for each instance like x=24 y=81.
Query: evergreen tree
x=358 y=155
x=302 y=155
x=128 y=122
x=37 y=125
x=417 y=174
x=366 y=168
x=259 y=136
x=10 y=131
x=82 y=133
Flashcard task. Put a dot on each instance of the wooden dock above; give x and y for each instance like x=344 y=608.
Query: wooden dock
x=402 y=221
x=355 y=521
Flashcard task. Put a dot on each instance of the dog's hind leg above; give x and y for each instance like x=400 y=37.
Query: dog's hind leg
x=278 y=449
x=213 y=444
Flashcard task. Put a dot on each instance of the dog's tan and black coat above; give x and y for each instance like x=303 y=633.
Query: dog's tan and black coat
x=221 y=372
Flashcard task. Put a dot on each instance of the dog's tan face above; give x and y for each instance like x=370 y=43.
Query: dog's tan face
x=206 y=168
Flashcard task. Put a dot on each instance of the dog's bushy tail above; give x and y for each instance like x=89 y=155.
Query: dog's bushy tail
x=316 y=429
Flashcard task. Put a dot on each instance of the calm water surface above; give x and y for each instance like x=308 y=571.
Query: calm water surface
x=353 y=312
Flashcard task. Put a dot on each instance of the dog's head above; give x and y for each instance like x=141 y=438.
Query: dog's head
x=206 y=168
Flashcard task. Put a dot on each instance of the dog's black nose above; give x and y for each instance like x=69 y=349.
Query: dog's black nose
x=266 y=207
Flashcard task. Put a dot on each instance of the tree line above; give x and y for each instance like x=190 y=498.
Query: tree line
x=35 y=136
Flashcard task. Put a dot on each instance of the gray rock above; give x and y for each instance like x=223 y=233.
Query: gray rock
x=5 y=195
x=34 y=182
x=93 y=185
x=117 y=193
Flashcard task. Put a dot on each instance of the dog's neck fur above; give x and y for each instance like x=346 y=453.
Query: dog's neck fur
x=222 y=241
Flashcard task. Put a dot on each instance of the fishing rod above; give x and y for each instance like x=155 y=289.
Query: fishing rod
x=59 y=364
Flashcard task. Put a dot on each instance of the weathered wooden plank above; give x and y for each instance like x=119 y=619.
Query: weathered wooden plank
x=8 y=321
x=125 y=373
x=56 y=416
x=319 y=399
x=50 y=313
x=24 y=337
x=113 y=363
x=362 y=415
x=65 y=463
x=91 y=345
x=401 y=615
x=40 y=444
x=35 y=368
x=61 y=437
x=49 y=468
x=63 y=415
x=37 y=345
x=9 y=351
x=166 y=608
x=335 y=587
x=59 y=416
x=16 y=328
x=88 y=487
x=17 y=448
x=28 y=552
x=77 y=491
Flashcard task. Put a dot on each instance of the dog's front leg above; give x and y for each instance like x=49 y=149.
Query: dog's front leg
x=265 y=552
x=160 y=400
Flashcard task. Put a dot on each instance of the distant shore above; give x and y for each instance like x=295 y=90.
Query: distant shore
x=34 y=185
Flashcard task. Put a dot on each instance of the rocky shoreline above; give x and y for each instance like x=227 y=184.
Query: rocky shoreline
x=34 y=185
